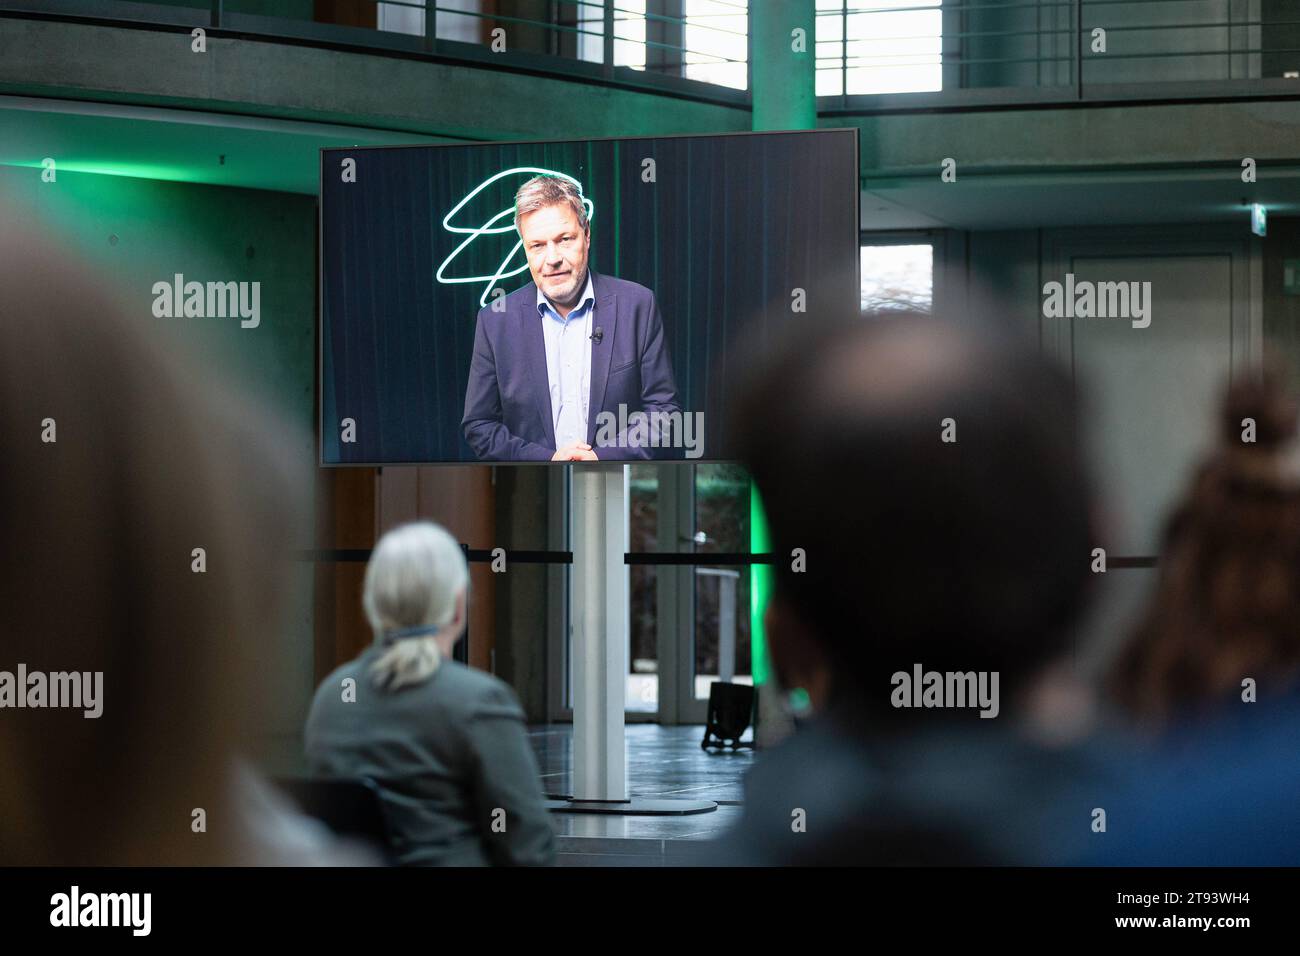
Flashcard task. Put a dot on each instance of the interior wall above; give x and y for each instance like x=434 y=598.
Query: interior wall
x=137 y=232
x=245 y=75
x=1149 y=395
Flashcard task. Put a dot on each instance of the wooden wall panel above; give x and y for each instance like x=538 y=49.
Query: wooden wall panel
x=346 y=521
x=461 y=499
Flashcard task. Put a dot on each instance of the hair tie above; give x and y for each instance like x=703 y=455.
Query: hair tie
x=391 y=637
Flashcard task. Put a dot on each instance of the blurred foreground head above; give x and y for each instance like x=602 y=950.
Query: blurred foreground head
x=100 y=526
x=961 y=555
x=1227 y=602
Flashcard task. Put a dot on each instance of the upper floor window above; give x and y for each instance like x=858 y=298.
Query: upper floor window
x=715 y=36
x=703 y=40
x=879 y=46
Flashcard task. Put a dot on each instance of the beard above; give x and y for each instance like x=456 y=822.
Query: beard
x=569 y=292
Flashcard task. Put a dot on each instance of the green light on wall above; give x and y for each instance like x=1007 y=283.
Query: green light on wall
x=761 y=577
x=131 y=170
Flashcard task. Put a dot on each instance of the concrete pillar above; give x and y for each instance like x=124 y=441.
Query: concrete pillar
x=783 y=81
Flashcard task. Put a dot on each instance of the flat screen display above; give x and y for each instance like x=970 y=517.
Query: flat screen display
x=569 y=301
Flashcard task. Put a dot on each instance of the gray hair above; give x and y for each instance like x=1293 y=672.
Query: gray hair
x=416 y=575
x=542 y=191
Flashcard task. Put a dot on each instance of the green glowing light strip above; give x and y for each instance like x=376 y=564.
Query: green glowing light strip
x=760 y=587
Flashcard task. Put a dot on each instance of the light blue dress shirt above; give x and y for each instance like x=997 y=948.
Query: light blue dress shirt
x=568 y=364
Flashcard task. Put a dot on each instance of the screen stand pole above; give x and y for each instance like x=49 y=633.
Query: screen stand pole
x=599 y=610
x=599 y=601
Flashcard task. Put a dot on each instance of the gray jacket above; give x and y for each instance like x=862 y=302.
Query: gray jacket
x=451 y=758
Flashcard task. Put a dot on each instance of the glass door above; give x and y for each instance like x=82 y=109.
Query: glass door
x=643 y=677
x=688 y=624
x=717 y=643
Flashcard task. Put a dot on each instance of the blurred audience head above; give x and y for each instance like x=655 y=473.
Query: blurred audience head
x=147 y=518
x=415 y=594
x=1227 y=599
x=931 y=475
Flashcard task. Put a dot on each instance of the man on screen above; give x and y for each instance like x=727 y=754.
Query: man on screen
x=570 y=353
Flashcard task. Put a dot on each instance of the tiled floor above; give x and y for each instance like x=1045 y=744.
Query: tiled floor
x=662 y=762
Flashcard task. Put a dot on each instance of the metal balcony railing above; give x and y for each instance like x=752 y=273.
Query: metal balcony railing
x=903 y=53
x=870 y=54
x=689 y=47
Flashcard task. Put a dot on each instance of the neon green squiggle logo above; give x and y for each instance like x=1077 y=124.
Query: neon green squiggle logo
x=490 y=228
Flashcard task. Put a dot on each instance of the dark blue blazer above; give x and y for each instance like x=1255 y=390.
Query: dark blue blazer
x=508 y=401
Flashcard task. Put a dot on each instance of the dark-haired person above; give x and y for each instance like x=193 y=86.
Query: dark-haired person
x=1211 y=676
x=570 y=353
x=1227 y=602
x=931 y=476
x=445 y=744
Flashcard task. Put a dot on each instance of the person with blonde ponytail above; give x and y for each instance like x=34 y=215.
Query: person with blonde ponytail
x=445 y=744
